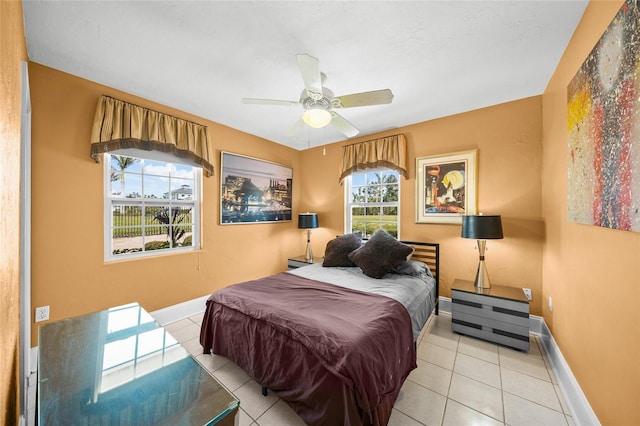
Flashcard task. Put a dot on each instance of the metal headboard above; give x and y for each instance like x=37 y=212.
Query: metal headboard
x=428 y=253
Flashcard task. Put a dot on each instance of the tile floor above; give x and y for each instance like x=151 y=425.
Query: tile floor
x=459 y=381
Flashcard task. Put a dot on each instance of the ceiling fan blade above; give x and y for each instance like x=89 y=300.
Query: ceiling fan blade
x=376 y=97
x=310 y=70
x=269 y=102
x=343 y=125
x=297 y=127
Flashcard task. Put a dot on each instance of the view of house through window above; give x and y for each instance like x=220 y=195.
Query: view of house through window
x=373 y=202
x=150 y=207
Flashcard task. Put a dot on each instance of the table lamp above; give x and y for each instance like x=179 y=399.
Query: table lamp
x=308 y=221
x=482 y=228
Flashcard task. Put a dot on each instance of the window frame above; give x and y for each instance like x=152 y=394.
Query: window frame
x=111 y=200
x=349 y=204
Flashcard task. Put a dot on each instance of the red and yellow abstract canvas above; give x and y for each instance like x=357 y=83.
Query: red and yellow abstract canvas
x=604 y=128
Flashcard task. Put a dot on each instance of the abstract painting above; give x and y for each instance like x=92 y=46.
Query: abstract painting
x=604 y=129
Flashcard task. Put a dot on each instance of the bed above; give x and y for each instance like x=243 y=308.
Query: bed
x=333 y=342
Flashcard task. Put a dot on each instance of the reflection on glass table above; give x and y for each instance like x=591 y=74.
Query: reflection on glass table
x=119 y=367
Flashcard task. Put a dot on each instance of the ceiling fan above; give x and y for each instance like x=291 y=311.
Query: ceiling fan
x=319 y=102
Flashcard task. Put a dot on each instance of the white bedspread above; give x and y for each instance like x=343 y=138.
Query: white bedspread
x=417 y=295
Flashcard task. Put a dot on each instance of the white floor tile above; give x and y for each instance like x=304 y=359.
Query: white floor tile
x=523 y=363
x=439 y=333
x=420 y=404
x=187 y=332
x=193 y=346
x=432 y=377
x=477 y=348
x=521 y=412
x=531 y=388
x=212 y=362
x=478 y=369
x=437 y=355
x=197 y=318
x=252 y=400
x=231 y=376
x=534 y=349
x=457 y=414
x=280 y=414
x=479 y=396
x=176 y=325
x=244 y=419
x=398 y=418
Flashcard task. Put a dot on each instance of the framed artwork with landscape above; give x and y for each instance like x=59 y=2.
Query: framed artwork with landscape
x=446 y=187
x=254 y=190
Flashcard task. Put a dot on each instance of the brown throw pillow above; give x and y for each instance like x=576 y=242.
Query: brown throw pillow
x=380 y=254
x=338 y=249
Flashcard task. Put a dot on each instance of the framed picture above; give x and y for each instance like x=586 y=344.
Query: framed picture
x=446 y=187
x=254 y=190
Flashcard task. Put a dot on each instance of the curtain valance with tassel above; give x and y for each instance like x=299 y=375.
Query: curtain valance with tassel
x=120 y=126
x=388 y=152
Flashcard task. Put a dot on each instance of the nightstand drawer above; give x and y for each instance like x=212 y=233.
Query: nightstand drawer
x=494 y=310
x=520 y=342
x=520 y=327
x=498 y=303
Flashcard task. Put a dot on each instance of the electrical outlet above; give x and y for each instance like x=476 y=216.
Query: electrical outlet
x=550 y=304
x=527 y=292
x=42 y=313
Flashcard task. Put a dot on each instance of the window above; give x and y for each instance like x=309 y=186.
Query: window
x=151 y=207
x=373 y=202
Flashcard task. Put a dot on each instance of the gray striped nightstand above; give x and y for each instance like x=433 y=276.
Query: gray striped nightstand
x=299 y=261
x=499 y=314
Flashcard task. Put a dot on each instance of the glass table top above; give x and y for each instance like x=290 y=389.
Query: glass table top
x=119 y=367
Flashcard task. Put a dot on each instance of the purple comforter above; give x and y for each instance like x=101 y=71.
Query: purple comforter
x=337 y=356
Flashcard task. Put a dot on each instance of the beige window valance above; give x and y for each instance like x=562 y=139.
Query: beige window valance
x=120 y=126
x=389 y=152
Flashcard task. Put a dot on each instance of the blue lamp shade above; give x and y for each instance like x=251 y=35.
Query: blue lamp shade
x=482 y=227
x=307 y=220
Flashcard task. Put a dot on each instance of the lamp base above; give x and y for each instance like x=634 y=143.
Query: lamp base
x=482 y=277
x=308 y=256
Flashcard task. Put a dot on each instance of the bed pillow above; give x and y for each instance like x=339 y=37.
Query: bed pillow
x=337 y=250
x=380 y=254
x=413 y=268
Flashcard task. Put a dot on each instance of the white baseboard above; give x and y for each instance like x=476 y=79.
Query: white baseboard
x=180 y=311
x=33 y=358
x=581 y=411
x=444 y=304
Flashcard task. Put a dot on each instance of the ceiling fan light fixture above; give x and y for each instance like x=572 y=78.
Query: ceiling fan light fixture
x=316 y=117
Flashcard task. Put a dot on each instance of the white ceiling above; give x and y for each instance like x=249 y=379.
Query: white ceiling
x=438 y=57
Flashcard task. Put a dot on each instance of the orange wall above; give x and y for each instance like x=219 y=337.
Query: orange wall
x=508 y=140
x=69 y=273
x=12 y=52
x=592 y=273
x=522 y=176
